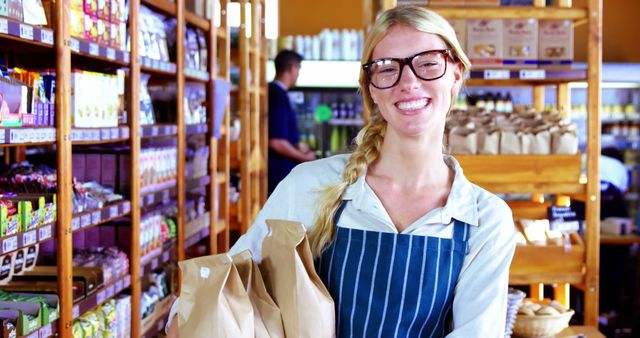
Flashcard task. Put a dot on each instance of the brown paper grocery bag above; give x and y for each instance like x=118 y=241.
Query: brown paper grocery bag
x=213 y=301
x=488 y=141
x=287 y=267
x=462 y=141
x=510 y=142
x=266 y=314
x=565 y=142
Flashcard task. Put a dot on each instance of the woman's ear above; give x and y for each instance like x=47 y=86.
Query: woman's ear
x=457 y=77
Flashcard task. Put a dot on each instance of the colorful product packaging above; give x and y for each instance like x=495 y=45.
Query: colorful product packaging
x=484 y=42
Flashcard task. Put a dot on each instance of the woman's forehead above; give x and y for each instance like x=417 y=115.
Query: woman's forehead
x=403 y=41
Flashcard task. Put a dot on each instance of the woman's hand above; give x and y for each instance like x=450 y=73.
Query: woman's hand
x=173 y=329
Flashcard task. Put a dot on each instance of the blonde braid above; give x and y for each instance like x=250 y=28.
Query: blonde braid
x=368 y=142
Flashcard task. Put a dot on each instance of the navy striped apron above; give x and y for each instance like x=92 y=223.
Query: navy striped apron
x=392 y=285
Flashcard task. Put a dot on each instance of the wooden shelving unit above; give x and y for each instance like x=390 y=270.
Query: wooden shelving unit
x=59 y=49
x=545 y=174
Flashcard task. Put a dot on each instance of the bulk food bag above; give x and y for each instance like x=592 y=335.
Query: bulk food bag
x=289 y=273
x=564 y=142
x=213 y=300
x=488 y=140
x=266 y=314
x=462 y=141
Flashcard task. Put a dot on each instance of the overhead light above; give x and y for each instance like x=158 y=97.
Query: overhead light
x=271 y=19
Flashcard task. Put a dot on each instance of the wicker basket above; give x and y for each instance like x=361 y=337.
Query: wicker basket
x=541 y=326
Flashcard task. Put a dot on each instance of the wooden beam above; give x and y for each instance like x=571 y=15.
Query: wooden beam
x=182 y=135
x=515 y=12
x=213 y=142
x=563 y=95
x=245 y=122
x=536 y=291
x=538 y=97
x=594 y=63
x=224 y=55
x=561 y=294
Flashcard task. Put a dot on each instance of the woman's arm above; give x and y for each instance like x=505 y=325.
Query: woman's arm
x=480 y=301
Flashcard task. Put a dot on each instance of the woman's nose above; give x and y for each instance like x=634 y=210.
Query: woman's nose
x=408 y=79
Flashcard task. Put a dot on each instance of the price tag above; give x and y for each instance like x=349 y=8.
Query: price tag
x=126 y=57
x=26 y=32
x=75 y=45
x=46 y=36
x=165 y=257
x=127 y=281
x=126 y=207
x=94 y=49
x=111 y=291
x=10 y=244
x=29 y=238
x=105 y=134
x=76 y=135
x=150 y=199
x=46 y=331
x=154 y=264
x=4 y=26
x=124 y=132
x=495 y=74
x=156 y=64
x=113 y=211
x=101 y=296
x=119 y=285
x=14 y=135
x=75 y=311
x=85 y=220
x=75 y=223
x=44 y=233
x=115 y=133
x=532 y=74
x=166 y=195
x=155 y=130
x=111 y=53
x=96 y=217
x=34 y=334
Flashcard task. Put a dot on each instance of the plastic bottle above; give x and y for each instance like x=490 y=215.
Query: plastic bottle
x=299 y=41
x=345 y=44
x=508 y=104
x=308 y=47
x=327 y=44
x=315 y=47
x=336 y=38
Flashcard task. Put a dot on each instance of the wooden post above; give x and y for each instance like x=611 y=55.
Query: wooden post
x=182 y=137
x=564 y=99
x=538 y=97
x=592 y=214
x=539 y=3
x=561 y=294
x=64 y=174
x=224 y=56
x=134 y=141
x=245 y=123
x=213 y=142
x=256 y=155
x=536 y=291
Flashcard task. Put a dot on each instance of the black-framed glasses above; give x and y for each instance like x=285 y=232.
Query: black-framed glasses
x=428 y=65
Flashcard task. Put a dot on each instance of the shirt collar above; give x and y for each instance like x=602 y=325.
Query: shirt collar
x=461 y=203
x=280 y=84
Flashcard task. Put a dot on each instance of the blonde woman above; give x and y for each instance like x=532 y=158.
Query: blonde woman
x=406 y=245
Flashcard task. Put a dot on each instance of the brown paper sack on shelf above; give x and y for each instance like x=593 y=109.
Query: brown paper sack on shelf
x=488 y=141
x=536 y=142
x=213 y=301
x=289 y=273
x=266 y=314
x=564 y=142
x=462 y=141
x=510 y=142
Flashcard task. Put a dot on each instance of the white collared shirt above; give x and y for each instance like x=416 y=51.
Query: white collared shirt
x=479 y=307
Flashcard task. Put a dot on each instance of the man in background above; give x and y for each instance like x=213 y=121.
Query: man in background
x=285 y=149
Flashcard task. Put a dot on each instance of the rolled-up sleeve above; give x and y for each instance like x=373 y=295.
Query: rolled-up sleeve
x=480 y=301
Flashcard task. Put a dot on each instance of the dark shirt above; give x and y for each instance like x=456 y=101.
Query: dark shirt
x=283 y=124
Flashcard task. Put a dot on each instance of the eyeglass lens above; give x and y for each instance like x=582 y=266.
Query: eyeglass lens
x=385 y=73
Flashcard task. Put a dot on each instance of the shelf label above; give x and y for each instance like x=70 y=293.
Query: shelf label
x=44 y=233
x=34 y=334
x=75 y=312
x=496 y=74
x=115 y=133
x=96 y=217
x=127 y=281
x=101 y=296
x=119 y=285
x=126 y=57
x=15 y=136
x=85 y=220
x=166 y=196
x=532 y=74
x=150 y=199
x=113 y=211
x=105 y=134
x=111 y=53
x=10 y=244
x=75 y=223
x=126 y=207
x=154 y=131
x=154 y=264
x=94 y=49
x=26 y=32
x=29 y=238
x=46 y=36
x=4 y=26
x=75 y=45
x=46 y=331
x=111 y=291
x=76 y=135
x=165 y=257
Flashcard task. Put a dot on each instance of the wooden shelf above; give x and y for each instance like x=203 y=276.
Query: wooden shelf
x=91 y=218
x=165 y=6
x=619 y=239
x=157 y=67
x=99 y=52
x=199 y=182
x=159 y=194
x=221 y=33
x=514 y=12
x=549 y=264
x=28 y=136
x=197 y=21
x=19 y=31
x=196 y=75
x=96 y=136
x=158 y=257
x=27 y=238
x=221 y=178
x=104 y=294
x=155 y=325
x=194 y=129
x=158 y=130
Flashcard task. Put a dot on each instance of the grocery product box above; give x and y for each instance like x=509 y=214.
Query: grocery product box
x=29 y=317
x=9 y=224
x=555 y=43
x=76 y=23
x=18 y=262
x=8 y=323
x=484 y=42
x=91 y=7
x=4 y=10
x=104 y=32
x=460 y=27
x=104 y=9
x=6 y=268
x=15 y=10
x=49 y=304
x=520 y=42
x=90 y=28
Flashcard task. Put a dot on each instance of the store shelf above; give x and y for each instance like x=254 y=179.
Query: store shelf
x=157 y=67
x=104 y=294
x=197 y=229
x=620 y=239
x=515 y=12
x=100 y=52
x=158 y=194
x=199 y=182
x=193 y=129
x=548 y=264
x=158 y=257
x=221 y=33
x=347 y=122
x=22 y=240
x=94 y=136
x=14 y=30
x=505 y=77
x=153 y=131
x=92 y=218
x=46 y=331
x=165 y=6
x=197 y=21
x=153 y=325
x=525 y=173
x=197 y=237
x=196 y=75
x=30 y=136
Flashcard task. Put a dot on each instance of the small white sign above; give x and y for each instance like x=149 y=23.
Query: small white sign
x=94 y=49
x=532 y=74
x=74 y=45
x=46 y=36
x=29 y=238
x=4 y=26
x=111 y=53
x=44 y=233
x=496 y=74
x=26 y=32
x=10 y=244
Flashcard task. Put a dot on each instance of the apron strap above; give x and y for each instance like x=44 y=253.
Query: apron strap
x=336 y=217
x=461 y=233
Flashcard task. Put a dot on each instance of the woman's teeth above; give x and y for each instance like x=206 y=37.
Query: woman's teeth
x=412 y=105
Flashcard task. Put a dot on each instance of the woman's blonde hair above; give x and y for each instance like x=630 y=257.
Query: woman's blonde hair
x=369 y=139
